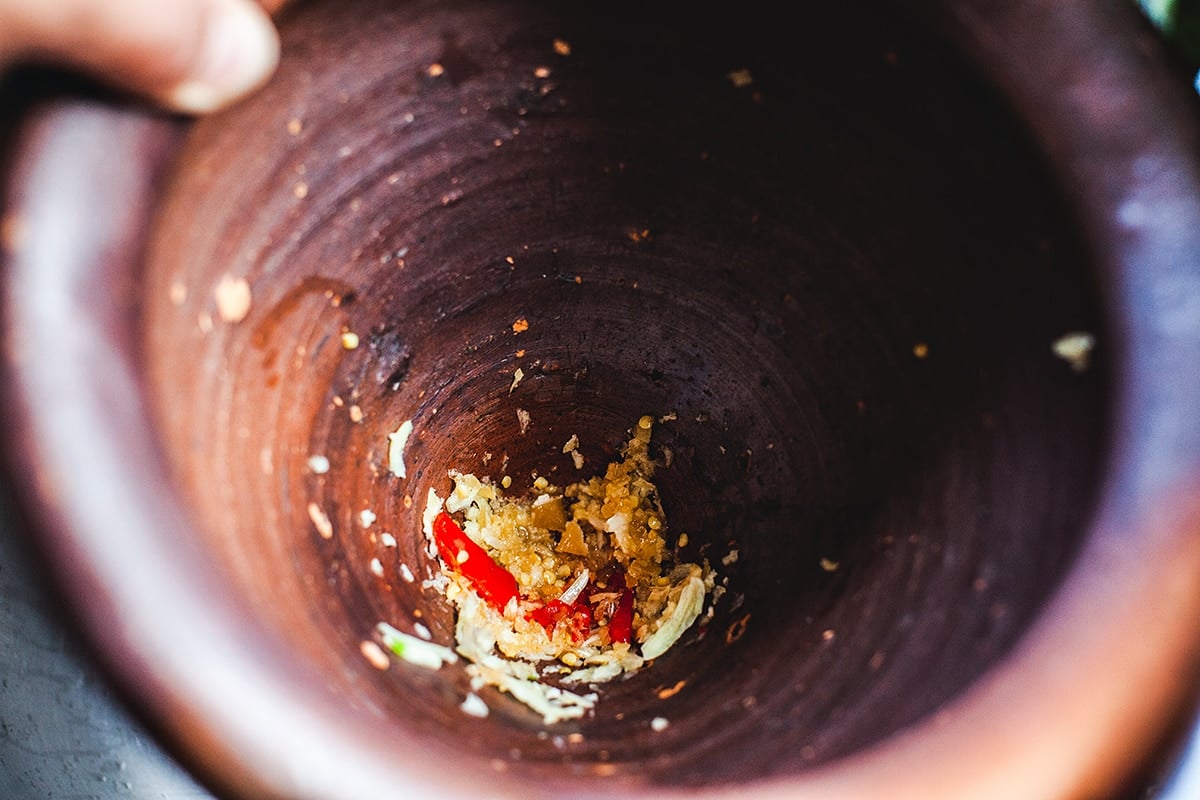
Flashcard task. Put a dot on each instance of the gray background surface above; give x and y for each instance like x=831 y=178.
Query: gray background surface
x=64 y=732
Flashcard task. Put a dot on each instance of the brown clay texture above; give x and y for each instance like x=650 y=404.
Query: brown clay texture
x=827 y=250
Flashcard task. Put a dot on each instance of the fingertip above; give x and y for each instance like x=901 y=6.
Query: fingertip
x=238 y=52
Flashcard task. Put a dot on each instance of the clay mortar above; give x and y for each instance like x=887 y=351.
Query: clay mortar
x=838 y=256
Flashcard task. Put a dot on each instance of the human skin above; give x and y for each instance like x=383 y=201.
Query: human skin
x=193 y=56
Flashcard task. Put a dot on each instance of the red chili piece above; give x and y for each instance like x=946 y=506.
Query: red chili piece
x=620 y=627
x=492 y=582
x=580 y=621
x=577 y=617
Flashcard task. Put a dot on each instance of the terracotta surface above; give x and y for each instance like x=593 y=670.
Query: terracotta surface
x=831 y=252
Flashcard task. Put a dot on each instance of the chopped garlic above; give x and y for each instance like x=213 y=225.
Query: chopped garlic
x=320 y=521
x=618 y=526
x=233 y=298
x=396 y=443
x=518 y=376
x=433 y=507
x=740 y=78
x=319 y=465
x=1075 y=348
x=374 y=654
x=572 y=447
x=474 y=706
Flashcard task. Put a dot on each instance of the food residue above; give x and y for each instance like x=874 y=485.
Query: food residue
x=474 y=706
x=320 y=521
x=740 y=78
x=561 y=586
x=670 y=691
x=1075 y=348
x=396 y=443
x=520 y=326
x=414 y=650
x=233 y=298
x=572 y=447
x=737 y=629
x=374 y=654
